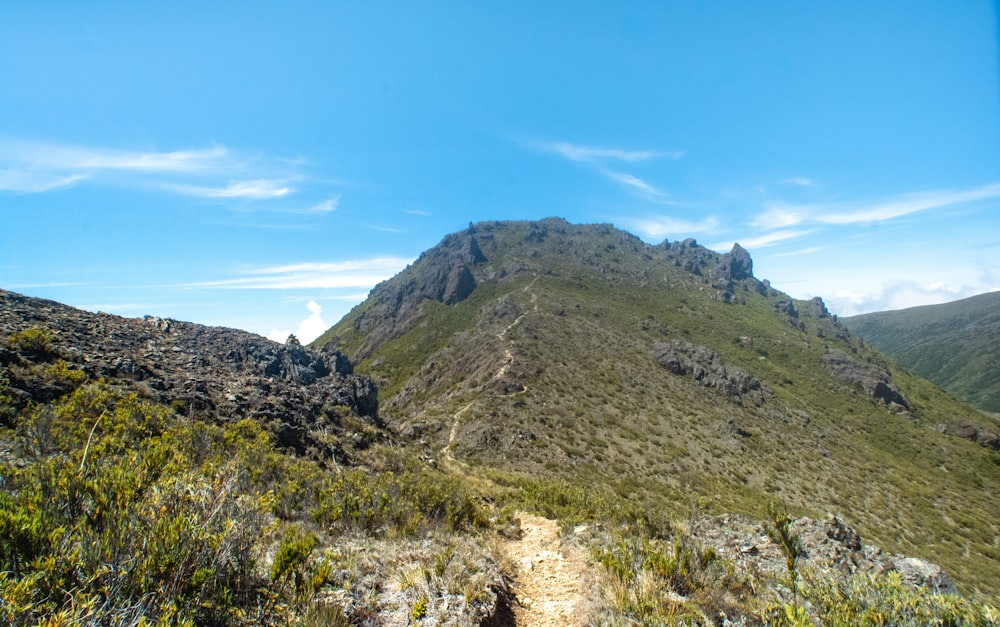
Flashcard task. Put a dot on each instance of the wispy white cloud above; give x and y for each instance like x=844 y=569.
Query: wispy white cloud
x=258 y=189
x=44 y=284
x=576 y=152
x=28 y=182
x=209 y=172
x=658 y=227
x=598 y=158
x=417 y=212
x=40 y=156
x=898 y=207
x=778 y=217
x=636 y=184
x=763 y=241
x=800 y=181
x=327 y=206
x=384 y=229
x=797 y=253
x=361 y=273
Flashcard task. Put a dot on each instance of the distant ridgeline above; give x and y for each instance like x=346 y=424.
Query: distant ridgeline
x=956 y=345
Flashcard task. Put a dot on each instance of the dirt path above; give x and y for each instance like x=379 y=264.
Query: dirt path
x=552 y=580
x=551 y=584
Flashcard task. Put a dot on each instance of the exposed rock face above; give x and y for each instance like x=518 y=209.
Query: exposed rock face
x=443 y=274
x=875 y=381
x=213 y=372
x=460 y=284
x=787 y=307
x=819 y=308
x=971 y=431
x=736 y=265
x=830 y=549
x=706 y=366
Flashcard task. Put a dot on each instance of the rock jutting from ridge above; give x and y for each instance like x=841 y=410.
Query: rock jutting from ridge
x=707 y=368
x=443 y=274
x=875 y=381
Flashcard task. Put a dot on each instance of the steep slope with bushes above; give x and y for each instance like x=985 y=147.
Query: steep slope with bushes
x=665 y=378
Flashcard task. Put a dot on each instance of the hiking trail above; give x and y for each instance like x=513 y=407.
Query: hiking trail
x=551 y=583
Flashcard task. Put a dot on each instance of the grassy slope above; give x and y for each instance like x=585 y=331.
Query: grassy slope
x=588 y=404
x=956 y=345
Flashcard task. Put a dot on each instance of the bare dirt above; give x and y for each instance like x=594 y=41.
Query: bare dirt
x=552 y=584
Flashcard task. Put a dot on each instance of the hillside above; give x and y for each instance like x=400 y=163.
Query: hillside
x=956 y=345
x=154 y=471
x=581 y=361
x=534 y=424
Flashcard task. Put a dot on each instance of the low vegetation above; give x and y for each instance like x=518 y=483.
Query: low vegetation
x=116 y=510
x=539 y=392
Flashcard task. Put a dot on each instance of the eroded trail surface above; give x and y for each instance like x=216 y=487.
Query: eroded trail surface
x=552 y=585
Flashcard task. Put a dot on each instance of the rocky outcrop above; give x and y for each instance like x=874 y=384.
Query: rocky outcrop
x=732 y=271
x=875 y=381
x=443 y=274
x=209 y=372
x=830 y=549
x=707 y=368
x=971 y=431
x=818 y=308
x=787 y=308
x=689 y=255
x=736 y=265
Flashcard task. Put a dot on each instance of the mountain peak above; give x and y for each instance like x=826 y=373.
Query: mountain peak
x=661 y=373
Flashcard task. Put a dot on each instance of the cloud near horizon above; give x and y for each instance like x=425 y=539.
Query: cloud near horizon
x=309 y=329
x=900 y=295
x=362 y=273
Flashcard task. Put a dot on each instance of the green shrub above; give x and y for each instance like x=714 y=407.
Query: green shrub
x=109 y=519
x=397 y=503
x=868 y=600
x=34 y=341
x=291 y=557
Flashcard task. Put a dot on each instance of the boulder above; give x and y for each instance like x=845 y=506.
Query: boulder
x=873 y=380
x=830 y=550
x=707 y=368
x=736 y=265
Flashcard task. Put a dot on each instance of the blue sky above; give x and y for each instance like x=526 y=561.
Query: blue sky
x=262 y=165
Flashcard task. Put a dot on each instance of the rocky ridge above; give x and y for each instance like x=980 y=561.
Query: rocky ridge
x=205 y=372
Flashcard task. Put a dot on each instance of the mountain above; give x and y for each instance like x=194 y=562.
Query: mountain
x=956 y=345
x=536 y=423
x=579 y=360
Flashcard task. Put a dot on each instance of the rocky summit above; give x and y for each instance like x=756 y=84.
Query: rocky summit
x=665 y=374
